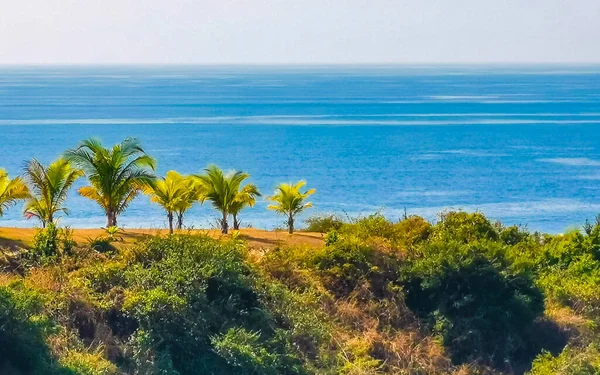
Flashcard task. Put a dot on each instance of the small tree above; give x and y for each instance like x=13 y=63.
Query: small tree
x=290 y=201
x=224 y=192
x=117 y=175
x=245 y=197
x=11 y=191
x=174 y=193
x=48 y=188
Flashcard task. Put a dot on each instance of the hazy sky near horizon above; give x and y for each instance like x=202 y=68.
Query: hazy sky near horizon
x=299 y=31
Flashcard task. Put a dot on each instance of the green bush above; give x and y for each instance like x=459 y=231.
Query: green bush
x=23 y=331
x=571 y=361
x=51 y=243
x=188 y=294
x=323 y=224
x=465 y=227
x=481 y=309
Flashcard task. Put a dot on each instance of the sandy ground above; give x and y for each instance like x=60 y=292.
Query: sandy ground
x=256 y=238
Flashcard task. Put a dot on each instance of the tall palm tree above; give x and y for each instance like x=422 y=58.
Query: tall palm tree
x=117 y=175
x=11 y=191
x=48 y=188
x=244 y=197
x=223 y=191
x=289 y=201
x=174 y=193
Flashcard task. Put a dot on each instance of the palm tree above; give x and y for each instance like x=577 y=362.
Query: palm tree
x=11 y=191
x=244 y=197
x=48 y=188
x=290 y=201
x=116 y=175
x=175 y=193
x=185 y=204
x=224 y=192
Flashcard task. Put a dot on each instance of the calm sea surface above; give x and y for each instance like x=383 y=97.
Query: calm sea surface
x=521 y=144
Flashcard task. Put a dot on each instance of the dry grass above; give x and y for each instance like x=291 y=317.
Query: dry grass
x=257 y=238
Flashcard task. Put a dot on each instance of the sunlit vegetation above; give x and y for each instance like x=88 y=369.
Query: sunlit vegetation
x=289 y=201
x=226 y=193
x=11 y=191
x=48 y=189
x=116 y=175
x=175 y=194
x=460 y=295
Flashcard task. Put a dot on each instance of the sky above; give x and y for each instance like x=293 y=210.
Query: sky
x=299 y=31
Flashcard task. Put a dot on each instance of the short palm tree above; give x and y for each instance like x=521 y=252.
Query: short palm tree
x=289 y=201
x=244 y=197
x=117 y=175
x=11 y=191
x=48 y=187
x=185 y=204
x=175 y=193
x=224 y=192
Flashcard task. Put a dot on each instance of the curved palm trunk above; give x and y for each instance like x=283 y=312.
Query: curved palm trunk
x=224 y=223
x=170 y=217
x=236 y=222
x=291 y=223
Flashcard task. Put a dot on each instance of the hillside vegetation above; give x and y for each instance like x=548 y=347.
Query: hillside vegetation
x=462 y=296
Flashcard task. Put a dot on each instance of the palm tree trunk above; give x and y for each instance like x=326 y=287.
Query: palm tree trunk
x=236 y=223
x=291 y=224
x=224 y=224
x=111 y=219
x=180 y=220
x=170 y=217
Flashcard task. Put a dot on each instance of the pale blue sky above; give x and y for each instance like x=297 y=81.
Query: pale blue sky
x=299 y=31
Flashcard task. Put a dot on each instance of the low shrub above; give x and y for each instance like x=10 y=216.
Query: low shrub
x=23 y=331
x=51 y=243
x=323 y=224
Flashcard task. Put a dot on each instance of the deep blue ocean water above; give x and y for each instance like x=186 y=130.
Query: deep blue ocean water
x=521 y=144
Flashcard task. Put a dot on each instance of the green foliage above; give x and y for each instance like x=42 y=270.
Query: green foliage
x=243 y=349
x=175 y=194
x=226 y=193
x=461 y=296
x=190 y=295
x=23 y=332
x=481 y=309
x=570 y=362
x=51 y=243
x=464 y=227
x=117 y=175
x=48 y=188
x=83 y=363
x=323 y=224
x=346 y=266
x=289 y=200
x=11 y=191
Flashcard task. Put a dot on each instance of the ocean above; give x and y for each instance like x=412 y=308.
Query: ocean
x=518 y=143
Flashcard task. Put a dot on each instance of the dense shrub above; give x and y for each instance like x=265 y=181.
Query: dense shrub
x=481 y=309
x=190 y=296
x=464 y=227
x=23 y=332
x=462 y=296
x=50 y=243
x=570 y=362
x=323 y=224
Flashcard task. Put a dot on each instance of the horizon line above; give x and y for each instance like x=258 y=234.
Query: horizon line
x=305 y=64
